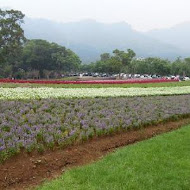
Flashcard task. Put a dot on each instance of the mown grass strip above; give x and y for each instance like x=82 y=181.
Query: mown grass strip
x=165 y=84
x=162 y=162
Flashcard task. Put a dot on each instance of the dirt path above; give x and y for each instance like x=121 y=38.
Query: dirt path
x=24 y=170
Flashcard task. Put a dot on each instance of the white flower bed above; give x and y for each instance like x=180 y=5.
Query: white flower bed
x=42 y=93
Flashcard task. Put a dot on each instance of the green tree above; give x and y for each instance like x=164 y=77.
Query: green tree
x=124 y=57
x=37 y=56
x=114 y=65
x=177 y=67
x=65 y=60
x=11 y=40
x=117 y=63
x=187 y=67
x=139 y=66
x=43 y=56
x=105 y=56
x=158 y=66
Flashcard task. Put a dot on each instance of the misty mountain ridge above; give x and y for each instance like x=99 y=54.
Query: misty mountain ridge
x=178 y=35
x=89 y=38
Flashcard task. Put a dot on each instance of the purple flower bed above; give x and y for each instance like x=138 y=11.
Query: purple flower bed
x=40 y=124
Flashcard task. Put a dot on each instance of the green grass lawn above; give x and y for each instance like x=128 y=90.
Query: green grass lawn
x=159 y=163
x=164 y=84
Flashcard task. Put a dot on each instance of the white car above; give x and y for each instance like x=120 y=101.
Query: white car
x=186 y=78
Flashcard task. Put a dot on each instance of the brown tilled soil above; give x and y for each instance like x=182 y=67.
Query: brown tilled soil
x=24 y=170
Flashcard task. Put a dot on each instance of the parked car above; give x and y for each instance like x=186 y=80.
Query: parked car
x=181 y=78
x=95 y=75
x=186 y=78
x=154 y=76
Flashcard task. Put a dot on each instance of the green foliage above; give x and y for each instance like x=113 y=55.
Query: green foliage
x=125 y=62
x=33 y=59
x=105 y=56
x=118 y=62
x=11 y=41
x=158 y=163
x=151 y=66
x=48 y=58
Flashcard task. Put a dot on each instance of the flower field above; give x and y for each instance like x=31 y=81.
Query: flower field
x=48 y=123
x=44 y=93
x=46 y=117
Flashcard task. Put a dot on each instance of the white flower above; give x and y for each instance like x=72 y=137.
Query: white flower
x=43 y=93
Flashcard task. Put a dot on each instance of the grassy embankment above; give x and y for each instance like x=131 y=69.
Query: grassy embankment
x=162 y=162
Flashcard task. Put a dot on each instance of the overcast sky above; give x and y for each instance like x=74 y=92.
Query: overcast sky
x=142 y=15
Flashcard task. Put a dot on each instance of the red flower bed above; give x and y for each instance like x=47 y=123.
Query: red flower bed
x=130 y=81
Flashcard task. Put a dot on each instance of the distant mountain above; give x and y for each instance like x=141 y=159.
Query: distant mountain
x=89 y=38
x=178 y=35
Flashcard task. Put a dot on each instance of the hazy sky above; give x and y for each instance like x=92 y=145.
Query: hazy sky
x=140 y=14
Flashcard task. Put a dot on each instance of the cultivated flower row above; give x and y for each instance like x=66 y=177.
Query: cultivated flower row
x=46 y=123
x=130 y=81
x=44 y=93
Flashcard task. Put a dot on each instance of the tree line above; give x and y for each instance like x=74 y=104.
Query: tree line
x=126 y=62
x=22 y=58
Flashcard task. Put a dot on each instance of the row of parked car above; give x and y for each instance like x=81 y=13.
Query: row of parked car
x=130 y=76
